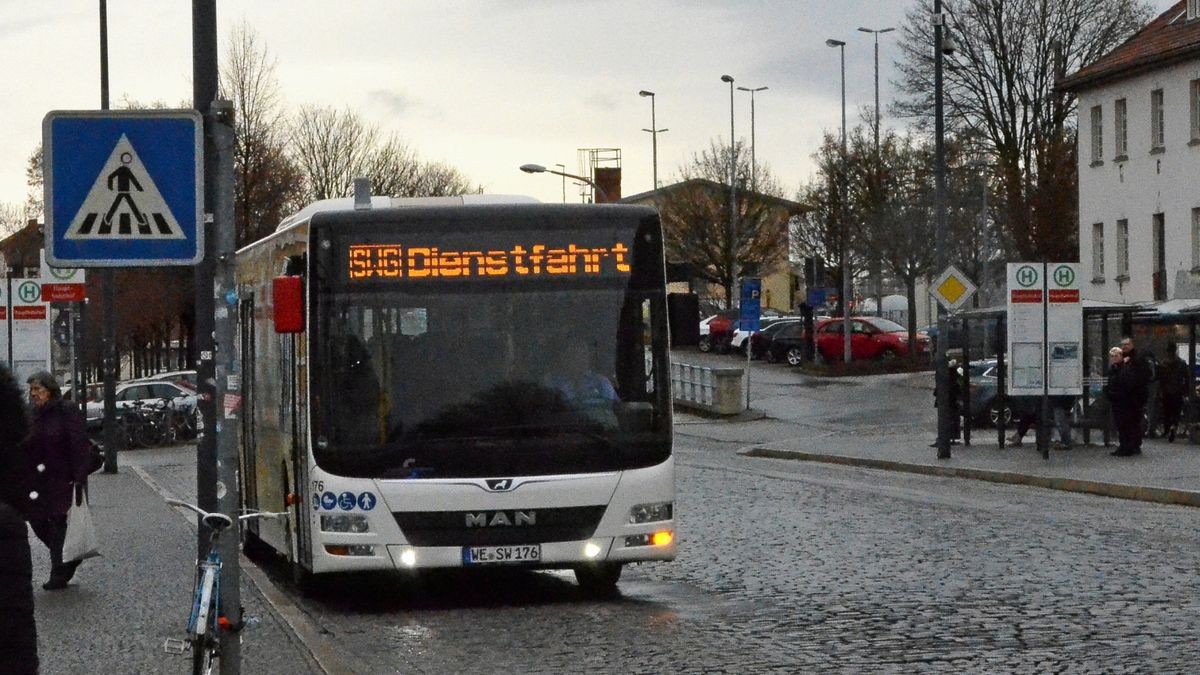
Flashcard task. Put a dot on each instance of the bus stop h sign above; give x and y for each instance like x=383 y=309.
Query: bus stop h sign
x=123 y=188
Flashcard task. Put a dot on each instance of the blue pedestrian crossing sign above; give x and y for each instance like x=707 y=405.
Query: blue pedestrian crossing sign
x=123 y=188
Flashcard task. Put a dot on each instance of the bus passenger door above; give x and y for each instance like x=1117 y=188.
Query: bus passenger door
x=249 y=445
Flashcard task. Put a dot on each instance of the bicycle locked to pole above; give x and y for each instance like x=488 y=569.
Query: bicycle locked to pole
x=207 y=618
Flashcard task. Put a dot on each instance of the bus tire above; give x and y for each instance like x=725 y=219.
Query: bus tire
x=598 y=579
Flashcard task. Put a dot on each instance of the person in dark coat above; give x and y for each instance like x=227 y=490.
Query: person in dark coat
x=1173 y=382
x=18 y=630
x=57 y=462
x=1124 y=393
x=1139 y=382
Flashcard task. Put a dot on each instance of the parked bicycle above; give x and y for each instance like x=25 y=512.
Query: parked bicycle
x=207 y=619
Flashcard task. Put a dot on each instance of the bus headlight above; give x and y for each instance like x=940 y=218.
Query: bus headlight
x=345 y=523
x=648 y=513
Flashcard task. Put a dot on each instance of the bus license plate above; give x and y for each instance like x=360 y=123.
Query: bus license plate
x=493 y=555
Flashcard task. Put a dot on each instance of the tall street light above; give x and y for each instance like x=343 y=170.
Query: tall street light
x=753 y=172
x=654 y=132
x=839 y=44
x=941 y=368
x=538 y=168
x=563 y=167
x=876 y=32
x=733 y=270
x=876 y=272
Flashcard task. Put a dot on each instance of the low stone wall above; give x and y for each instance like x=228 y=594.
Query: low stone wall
x=714 y=390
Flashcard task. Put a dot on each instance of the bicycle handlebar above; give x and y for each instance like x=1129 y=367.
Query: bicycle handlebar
x=206 y=516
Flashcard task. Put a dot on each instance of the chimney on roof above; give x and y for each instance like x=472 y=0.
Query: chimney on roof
x=608 y=179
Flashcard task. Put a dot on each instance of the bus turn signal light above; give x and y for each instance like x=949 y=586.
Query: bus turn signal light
x=662 y=538
x=292 y=499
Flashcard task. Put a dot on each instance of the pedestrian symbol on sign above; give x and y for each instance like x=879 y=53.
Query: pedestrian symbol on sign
x=111 y=209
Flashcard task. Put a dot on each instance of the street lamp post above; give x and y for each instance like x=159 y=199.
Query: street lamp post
x=877 y=272
x=538 y=168
x=654 y=132
x=753 y=164
x=842 y=207
x=563 y=167
x=733 y=248
x=941 y=368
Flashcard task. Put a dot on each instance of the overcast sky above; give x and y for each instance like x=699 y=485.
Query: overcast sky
x=483 y=85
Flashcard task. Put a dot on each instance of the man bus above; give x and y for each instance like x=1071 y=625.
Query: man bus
x=403 y=371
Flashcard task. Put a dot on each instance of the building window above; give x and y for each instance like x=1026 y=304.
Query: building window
x=1156 y=120
x=1120 y=128
x=1097 y=135
x=1195 y=105
x=1195 y=239
x=1122 y=249
x=1098 y=251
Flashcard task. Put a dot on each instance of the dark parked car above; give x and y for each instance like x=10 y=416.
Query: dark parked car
x=762 y=338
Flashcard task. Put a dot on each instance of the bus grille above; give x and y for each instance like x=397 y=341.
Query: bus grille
x=451 y=528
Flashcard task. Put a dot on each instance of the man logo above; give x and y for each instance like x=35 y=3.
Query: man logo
x=501 y=519
x=500 y=484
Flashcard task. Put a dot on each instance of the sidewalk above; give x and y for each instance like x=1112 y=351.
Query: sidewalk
x=1167 y=473
x=121 y=606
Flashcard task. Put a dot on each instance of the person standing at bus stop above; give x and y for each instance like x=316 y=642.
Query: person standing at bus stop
x=1172 y=388
x=1123 y=391
x=18 y=630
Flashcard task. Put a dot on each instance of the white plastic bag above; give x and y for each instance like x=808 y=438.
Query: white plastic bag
x=80 y=541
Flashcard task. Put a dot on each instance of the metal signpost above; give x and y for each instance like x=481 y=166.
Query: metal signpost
x=1045 y=335
x=751 y=310
x=952 y=289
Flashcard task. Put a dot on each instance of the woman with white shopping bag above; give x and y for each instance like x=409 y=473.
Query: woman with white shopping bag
x=57 y=463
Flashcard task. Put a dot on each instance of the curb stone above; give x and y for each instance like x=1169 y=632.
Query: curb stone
x=1104 y=489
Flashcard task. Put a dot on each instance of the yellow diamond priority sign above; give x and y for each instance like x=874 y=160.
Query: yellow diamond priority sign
x=952 y=289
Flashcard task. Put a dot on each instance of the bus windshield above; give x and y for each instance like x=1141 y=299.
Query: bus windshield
x=437 y=378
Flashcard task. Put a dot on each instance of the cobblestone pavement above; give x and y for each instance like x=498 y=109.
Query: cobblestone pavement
x=120 y=607
x=796 y=567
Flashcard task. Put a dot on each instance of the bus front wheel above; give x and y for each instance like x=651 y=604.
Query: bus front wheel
x=598 y=579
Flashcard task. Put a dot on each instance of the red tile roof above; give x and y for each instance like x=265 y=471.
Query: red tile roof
x=1165 y=40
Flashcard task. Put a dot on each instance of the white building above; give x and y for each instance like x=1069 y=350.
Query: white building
x=1139 y=163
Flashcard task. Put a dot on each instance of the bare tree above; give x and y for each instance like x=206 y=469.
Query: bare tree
x=12 y=218
x=696 y=223
x=999 y=88
x=833 y=228
x=268 y=184
x=33 y=182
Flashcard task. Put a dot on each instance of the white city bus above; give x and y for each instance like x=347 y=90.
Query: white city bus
x=406 y=375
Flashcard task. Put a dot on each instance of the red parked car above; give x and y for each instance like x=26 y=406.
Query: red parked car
x=871 y=337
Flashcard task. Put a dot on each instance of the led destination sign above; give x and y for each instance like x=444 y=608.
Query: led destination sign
x=393 y=261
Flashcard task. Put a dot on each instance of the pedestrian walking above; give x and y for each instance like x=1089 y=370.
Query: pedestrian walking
x=953 y=400
x=1173 y=381
x=57 y=462
x=1122 y=390
x=18 y=646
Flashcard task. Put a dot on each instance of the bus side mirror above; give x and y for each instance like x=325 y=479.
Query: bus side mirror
x=288 y=297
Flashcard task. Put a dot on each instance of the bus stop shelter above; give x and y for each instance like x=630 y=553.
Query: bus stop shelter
x=982 y=335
